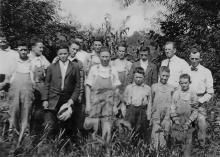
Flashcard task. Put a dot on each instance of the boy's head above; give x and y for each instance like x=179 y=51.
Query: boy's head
x=97 y=44
x=184 y=82
x=74 y=47
x=63 y=52
x=139 y=76
x=105 y=56
x=164 y=74
x=22 y=49
x=121 y=51
x=144 y=53
x=37 y=46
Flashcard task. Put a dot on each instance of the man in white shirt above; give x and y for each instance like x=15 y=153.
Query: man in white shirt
x=202 y=84
x=36 y=56
x=176 y=65
x=93 y=58
x=81 y=54
x=8 y=58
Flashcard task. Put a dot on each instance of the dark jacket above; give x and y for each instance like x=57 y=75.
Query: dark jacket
x=151 y=74
x=52 y=89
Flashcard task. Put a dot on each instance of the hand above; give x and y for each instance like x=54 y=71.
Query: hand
x=185 y=127
x=45 y=104
x=177 y=122
x=66 y=114
x=115 y=110
x=88 y=108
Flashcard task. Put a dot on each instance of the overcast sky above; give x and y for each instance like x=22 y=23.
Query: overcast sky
x=93 y=12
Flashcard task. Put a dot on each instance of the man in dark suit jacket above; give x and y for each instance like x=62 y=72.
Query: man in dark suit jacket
x=62 y=88
x=151 y=73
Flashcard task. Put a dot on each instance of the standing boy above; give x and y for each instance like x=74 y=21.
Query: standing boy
x=183 y=111
x=161 y=99
x=137 y=97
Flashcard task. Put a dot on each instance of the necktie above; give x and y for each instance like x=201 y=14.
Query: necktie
x=168 y=64
x=194 y=69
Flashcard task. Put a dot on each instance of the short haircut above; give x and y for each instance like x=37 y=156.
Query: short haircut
x=185 y=76
x=35 y=40
x=105 y=49
x=21 y=43
x=164 y=68
x=195 y=49
x=139 y=70
x=173 y=43
x=145 y=48
x=63 y=45
x=98 y=38
x=73 y=42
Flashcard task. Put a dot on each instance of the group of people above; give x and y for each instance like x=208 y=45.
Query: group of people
x=89 y=91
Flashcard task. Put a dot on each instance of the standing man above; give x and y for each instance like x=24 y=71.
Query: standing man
x=93 y=58
x=150 y=69
x=202 y=84
x=36 y=56
x=62 y=87
x=81 y=54
x=7 y=59
x=176 y=65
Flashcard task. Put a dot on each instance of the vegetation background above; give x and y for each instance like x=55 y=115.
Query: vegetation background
x=189 y=22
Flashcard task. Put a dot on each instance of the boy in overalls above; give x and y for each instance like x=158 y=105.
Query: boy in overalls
x=123 y=67
x=161 y=99
x=21 y=92
x=101 y=86
x=183 y=112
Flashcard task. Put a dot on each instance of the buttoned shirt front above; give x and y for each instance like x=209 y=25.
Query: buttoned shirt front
x=7 y=60
x=144 y=64
x=137 y=95
x=39 y=61
x=177 y=67
x=63 y=68
x=105 y=72
x=202 y=82
x=121 y=65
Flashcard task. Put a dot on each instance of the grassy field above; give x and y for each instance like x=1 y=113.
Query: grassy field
x=124 y=144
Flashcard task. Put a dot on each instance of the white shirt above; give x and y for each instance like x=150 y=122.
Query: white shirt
x=144 y=64
x=7 y=60
x=105 y=72
x=177 y=67
x=39 y=61
x=121 y=65
x=63 y=68
x=82 y=56
x=202 y=83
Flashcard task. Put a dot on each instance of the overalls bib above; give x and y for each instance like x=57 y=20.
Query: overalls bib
x=102 y=97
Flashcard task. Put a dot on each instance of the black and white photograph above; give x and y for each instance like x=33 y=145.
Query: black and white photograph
x=110 y=78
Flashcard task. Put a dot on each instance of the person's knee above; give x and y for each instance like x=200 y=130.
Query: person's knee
x=202 y=123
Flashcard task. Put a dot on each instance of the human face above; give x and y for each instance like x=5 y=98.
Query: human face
x=73 y=49
x=3 y=43
x=169 y=50
x=63 y=54
x=80 y=41
x=164 y=76
x=144 y=55
x=121 y=52
x=138 y=79
x=105 y=58
x=97 y=46
x=184 y=83
x=195 y=59
x=38 y=48
x=23 y=52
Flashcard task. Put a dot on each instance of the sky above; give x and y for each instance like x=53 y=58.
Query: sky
x=93 y=12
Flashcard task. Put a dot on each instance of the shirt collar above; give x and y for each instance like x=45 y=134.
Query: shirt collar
x=142 y=85
x=64 y=63
x=142 y=62
x=22 y=61
x=71 y=58
x=173 y=58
